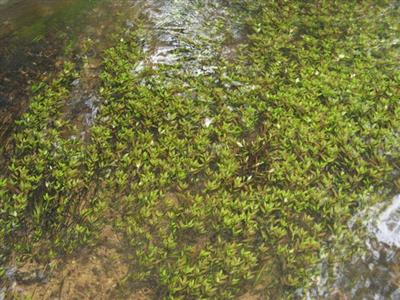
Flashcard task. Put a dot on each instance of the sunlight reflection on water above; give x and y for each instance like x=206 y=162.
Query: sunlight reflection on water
x=387 y=226
x=376 y=273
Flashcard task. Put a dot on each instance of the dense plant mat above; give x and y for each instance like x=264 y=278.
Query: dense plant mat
x=223 y=182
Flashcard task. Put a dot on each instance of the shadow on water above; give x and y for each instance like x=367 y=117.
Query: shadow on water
x=35 y=36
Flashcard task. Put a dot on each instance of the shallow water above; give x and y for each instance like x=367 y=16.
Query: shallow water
x=37 y=33
x=43 y=34
x=375 y=272
x=175 y=33
x=386 y=227
x=183 y=32
x=178 y=33
x=34 y=36
x=31 y=19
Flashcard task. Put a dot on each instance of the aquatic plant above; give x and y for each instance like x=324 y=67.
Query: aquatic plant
x=223 y=182
x=45 y=203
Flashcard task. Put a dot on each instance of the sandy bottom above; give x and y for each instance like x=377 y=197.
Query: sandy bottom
x=94 y=274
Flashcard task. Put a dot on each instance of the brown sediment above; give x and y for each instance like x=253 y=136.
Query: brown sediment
x=94 y=273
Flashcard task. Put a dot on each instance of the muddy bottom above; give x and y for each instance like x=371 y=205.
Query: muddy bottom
x=94 y=273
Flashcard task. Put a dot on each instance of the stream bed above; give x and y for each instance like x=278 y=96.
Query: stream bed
x=176 y=33
x=373 y=273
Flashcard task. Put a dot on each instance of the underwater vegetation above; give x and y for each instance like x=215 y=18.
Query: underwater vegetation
x=224 y=182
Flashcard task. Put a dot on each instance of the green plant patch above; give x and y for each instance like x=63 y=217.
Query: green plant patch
x=45 y=206
x=225 y=182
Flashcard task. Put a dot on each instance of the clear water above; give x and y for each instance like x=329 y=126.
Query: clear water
x=374 y=274
x=34 y=36
x=183 y=32
x=178 y=32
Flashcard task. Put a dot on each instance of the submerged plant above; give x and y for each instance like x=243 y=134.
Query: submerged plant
x=227 y=181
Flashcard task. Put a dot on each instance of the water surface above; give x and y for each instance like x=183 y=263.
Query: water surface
x=36 y=34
